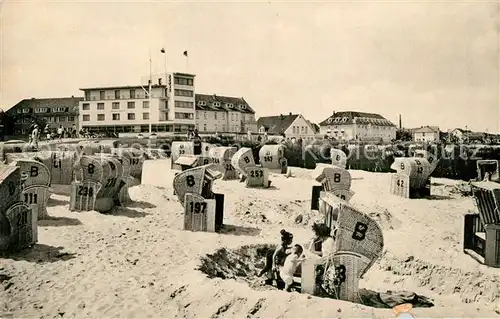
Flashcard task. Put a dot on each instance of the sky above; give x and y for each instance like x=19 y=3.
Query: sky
x=435 y=63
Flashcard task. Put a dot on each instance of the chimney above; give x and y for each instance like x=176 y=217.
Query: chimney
x=400 y=126
x=159 y=81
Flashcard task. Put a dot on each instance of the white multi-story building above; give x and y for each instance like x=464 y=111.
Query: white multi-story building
x=126 y=109
x=216 y=113
x=358 y=126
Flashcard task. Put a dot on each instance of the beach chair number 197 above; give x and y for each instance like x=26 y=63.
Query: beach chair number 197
x=198 y=208
x=360 y=231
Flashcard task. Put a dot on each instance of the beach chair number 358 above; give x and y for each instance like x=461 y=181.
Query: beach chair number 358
x=360 y=231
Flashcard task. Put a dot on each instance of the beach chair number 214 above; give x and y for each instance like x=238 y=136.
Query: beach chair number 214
x=360 y=231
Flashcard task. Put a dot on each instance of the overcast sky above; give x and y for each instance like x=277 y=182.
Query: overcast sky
x=433 y=63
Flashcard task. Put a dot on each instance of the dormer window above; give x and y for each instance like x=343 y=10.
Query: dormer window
x=329 y=120
x=229 y=105
x=344 y=119
x=243 y=106
x=216 y=104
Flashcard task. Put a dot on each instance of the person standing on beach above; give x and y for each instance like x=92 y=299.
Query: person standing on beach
x=35 y=135
x=60 y=132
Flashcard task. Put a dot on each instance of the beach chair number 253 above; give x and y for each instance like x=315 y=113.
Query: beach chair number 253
x=256 y=173
x=360 y=231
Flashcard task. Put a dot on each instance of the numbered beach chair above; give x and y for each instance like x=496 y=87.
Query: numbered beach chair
x=221 y=158
x=339 y=158
x=201 y=214
x=488 y=170
x=106 y=172
x=36 y=190
x=359 y=243
x=136 y=159
x=482 y=230
x=122 y=197
x=198 y=182
x=332 y=179
x=430 y=157
x=242 y=159
x=18 y=223
x=412 y=177
x=273 y=158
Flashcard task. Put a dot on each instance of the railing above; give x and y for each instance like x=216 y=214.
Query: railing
x=137 y=97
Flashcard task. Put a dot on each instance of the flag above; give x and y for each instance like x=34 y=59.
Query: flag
x=162 y=50
x=185 y=53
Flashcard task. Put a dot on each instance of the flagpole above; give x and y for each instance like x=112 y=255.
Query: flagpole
x=149 y=95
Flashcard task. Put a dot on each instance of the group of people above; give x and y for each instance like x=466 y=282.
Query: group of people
x=282 y=263
x=35 y=133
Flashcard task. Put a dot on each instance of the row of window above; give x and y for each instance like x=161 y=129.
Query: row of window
x=375 y=127
x=115 y=117
x=365 y=119
x=51 y=119
x=299 y=129
x=184 y=116
x=115 y=105
x=222 y=116
x=183 y=81
x=232 y=128
x=186 y=93
x=140 y=128
x=44 y=110
x=184 y=104
x=218 y=104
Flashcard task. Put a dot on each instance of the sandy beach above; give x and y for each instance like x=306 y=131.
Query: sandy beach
x=138 y=262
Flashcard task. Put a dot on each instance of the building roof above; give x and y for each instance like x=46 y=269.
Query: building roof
x=125 y=87
x=184 y=74
x=353 y=117
x=239 y=103
x=69 y=103
x=426 y=129
x=276 y=124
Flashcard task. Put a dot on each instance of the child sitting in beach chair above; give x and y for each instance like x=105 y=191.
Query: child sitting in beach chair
x=292 y=261
x=275 y=259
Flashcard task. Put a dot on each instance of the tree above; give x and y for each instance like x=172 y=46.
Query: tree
x=404 y=135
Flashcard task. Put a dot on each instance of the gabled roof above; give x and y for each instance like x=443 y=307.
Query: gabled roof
x=426 y=129
x=69 y=103
x=352 y=117
x=276 y=124
x=223 y=100
x=314 y=126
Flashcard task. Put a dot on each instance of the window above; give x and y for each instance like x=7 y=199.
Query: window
x=86 y=106
x=116 y=105
x=205 y=127
x=116 y=116
x=183 y=81
x=184 y=116
x=71 y=118
x=87 y=96
x=215 y=116
x=41 y=110
x=223 y=116
x=86 y=117
x=145 y=104
x=131 y=116
x=100 y=117
x=19 y=111
x=197 y=114
x=223 y=128
x=102 y=95
x=216 y=104
x=130 y=105
x=145 y=116
x=187 y=93
x=184 y=104
x=205 y=115
x=62 y=119
x=100 y=106
x=132 y=94
x=117 y=94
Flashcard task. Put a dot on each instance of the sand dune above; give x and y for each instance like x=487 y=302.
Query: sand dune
x=138 y=262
